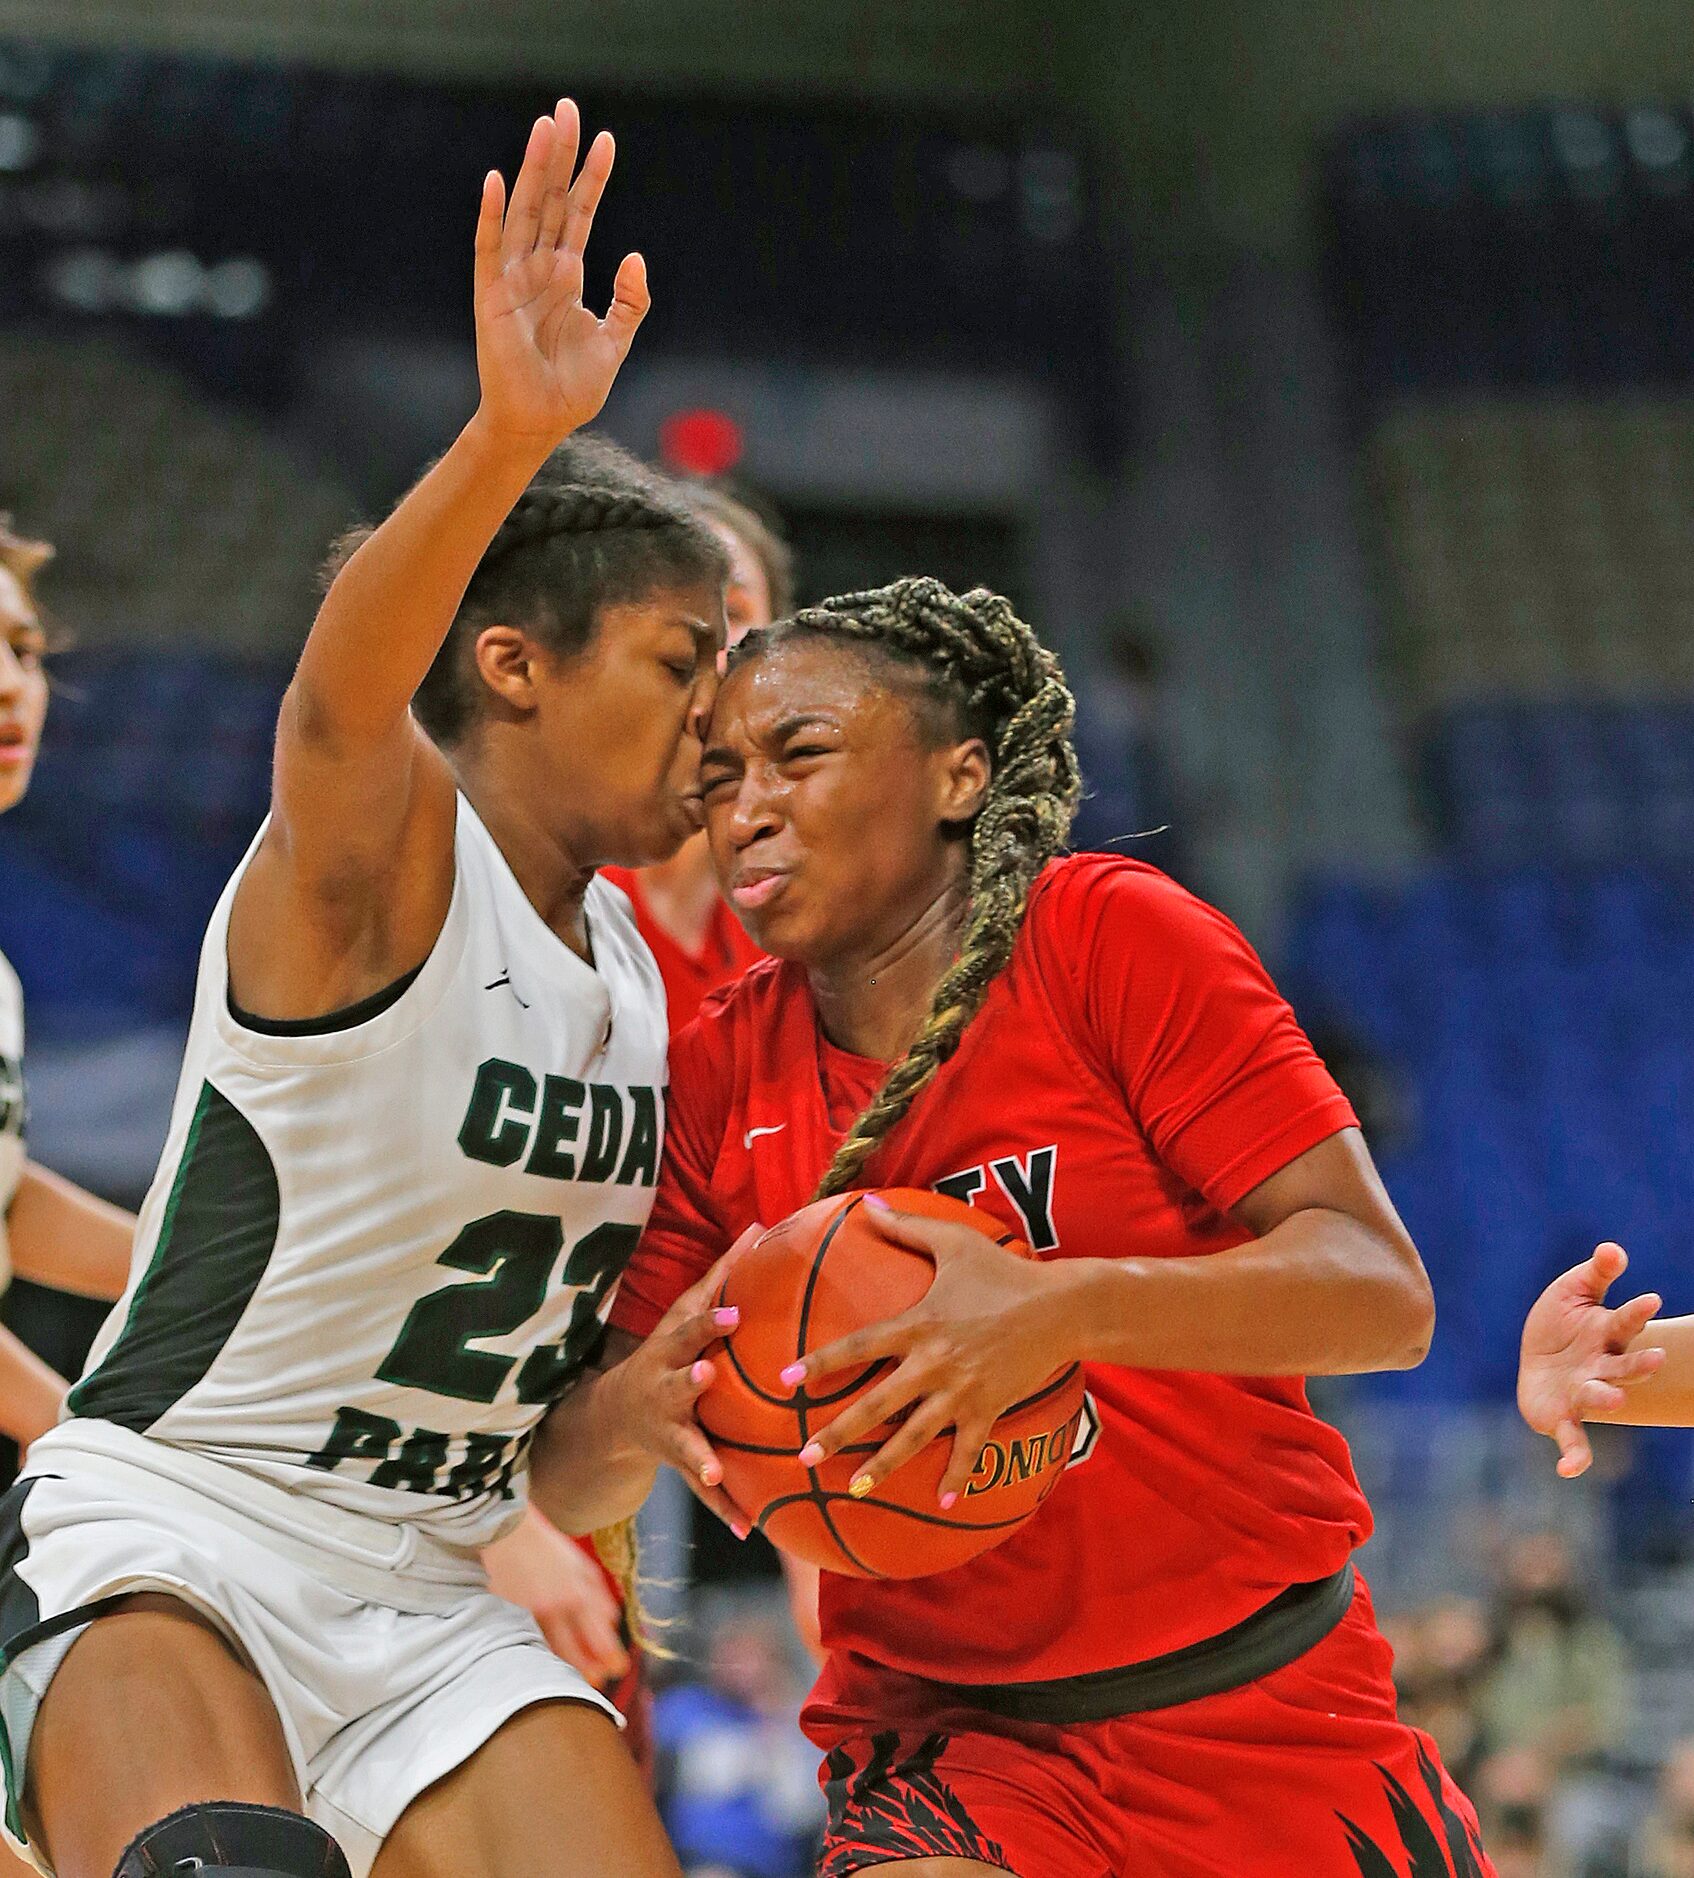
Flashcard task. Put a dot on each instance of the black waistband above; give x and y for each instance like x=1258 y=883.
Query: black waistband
x=1271 y=1639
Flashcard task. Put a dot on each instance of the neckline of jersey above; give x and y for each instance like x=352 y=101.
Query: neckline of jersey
x=575 y=960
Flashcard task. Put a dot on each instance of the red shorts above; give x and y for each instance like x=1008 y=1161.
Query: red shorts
x=1306 y=1773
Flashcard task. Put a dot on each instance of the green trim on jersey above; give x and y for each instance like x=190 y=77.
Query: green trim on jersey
x=219 y=1230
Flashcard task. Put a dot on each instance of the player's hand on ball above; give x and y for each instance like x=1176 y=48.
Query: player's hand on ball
x=1575 y=1360
x=536 y=1566
x=544 y=360
x=662 y=1380
x=986 y=1334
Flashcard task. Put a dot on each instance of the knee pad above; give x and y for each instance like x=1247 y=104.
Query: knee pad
x=224 y=1839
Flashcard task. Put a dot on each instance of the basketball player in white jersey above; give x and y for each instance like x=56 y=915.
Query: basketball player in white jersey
x=50 y=1231
x=415 y=1140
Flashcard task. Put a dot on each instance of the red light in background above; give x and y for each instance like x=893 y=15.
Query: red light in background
x=701 y=443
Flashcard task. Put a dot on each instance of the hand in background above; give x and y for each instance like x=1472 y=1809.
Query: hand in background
x=1576 y=1361
x=536 y=1566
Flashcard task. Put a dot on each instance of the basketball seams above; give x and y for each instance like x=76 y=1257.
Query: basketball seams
x=798 y=1410
x=815 y=1492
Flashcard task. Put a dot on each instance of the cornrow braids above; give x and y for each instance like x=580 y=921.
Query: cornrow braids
x=979 y=665
x=595 y=528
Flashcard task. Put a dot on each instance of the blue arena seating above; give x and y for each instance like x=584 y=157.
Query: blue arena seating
x=152 y=780
x=1542 y=1019
x=1589 y=782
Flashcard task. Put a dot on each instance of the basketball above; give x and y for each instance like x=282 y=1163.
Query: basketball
x=823 y=1272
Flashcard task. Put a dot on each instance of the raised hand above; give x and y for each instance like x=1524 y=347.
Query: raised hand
x=545 y=361
x=1575 y=1360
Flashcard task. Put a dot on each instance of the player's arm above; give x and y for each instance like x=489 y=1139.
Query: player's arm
x=352 y=881
x=1172 y=1002
x=62 y=1235
x=1331 y=1286
x=1582 y=1360
x=31 y=1393
x=598 y=1451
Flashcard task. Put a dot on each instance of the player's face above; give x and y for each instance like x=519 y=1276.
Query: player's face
x=747 y=593
x=832 y=818
x=621 y=725
x=23 y=688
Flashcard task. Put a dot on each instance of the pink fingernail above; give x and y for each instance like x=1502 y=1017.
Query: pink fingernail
x=740 y=1528
x=811 y=1454
x=793 y=1375
x=701 y=1373
x=877 y=1203
x=727 y=1317
x=710 y=1473
x=948 y=1501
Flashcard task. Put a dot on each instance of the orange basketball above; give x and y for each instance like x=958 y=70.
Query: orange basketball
x=823 y=1272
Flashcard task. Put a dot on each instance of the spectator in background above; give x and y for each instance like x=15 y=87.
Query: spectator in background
x=1512 y=1795
x=737 y=1783
x=1559 y=1680
x=1664 y=1848
x=1127 y=806
x=1439 y=1657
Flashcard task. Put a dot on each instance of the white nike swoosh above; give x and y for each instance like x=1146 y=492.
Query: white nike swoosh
x=753 y=1134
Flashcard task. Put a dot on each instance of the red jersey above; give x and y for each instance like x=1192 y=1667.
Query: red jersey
x=1132 y=1075
x=724 y=954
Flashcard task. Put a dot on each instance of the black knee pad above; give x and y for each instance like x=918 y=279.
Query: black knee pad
x=224 y=1839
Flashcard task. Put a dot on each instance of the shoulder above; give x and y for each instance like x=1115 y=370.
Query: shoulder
x=1085 y=900
x=712 y=1053
x=766 y=990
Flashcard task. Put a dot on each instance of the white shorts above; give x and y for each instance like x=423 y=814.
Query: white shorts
x=389 y=1660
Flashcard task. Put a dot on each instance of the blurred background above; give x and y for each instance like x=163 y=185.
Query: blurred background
x=1319 y=378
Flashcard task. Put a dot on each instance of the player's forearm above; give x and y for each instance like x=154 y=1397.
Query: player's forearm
x=1666 y=1398
x=1319 y=1295
x=388 y=610
x=585 y=1472
x=31 y=1393
x=62 y=1235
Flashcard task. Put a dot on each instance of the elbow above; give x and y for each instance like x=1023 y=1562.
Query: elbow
x=1413 y=1317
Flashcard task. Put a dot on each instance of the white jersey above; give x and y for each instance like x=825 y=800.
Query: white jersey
x=375 y=1253
x=11 y=1102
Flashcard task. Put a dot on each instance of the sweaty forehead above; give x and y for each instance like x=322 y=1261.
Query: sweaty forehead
x=836 y=681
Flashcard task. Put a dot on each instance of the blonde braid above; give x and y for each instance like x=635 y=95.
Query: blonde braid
x=982 y=662
x=618 y=1550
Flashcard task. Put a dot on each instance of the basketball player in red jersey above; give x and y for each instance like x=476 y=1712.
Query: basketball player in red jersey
x=698 y=945
x=1172 y=1671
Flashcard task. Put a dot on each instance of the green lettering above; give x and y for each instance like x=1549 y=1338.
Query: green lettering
x=422 y=1456
x=496 y=1124
x=641 y=1158
x=356 y=1436
x=487 y=1467
x=605 y=1132
x=561 y=1115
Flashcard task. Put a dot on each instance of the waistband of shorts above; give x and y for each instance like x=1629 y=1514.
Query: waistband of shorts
x=385 y=1561
x=1271 y=1638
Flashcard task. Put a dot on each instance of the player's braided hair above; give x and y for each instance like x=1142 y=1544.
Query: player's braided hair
x=982 y=672
x=595 y=528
